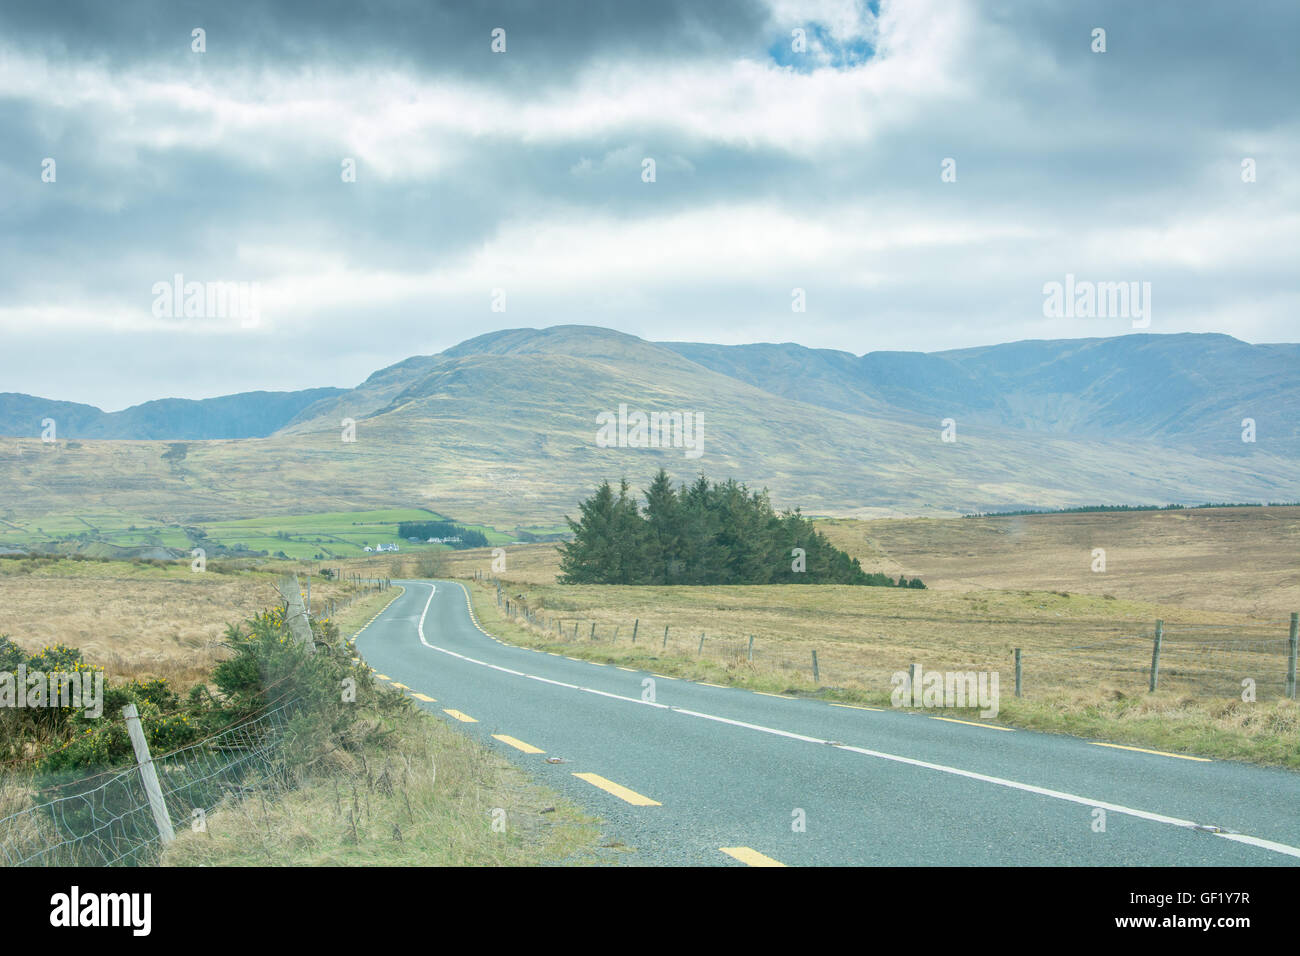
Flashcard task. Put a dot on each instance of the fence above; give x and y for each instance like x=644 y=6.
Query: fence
x=112 y=818
x=1209 y=660
x=363 y=586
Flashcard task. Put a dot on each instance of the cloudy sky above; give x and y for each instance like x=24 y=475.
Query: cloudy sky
x=776 y=168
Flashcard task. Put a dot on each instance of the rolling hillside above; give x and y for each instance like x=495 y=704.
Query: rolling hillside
x=502 y=429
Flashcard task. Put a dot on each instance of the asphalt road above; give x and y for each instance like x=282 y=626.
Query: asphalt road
x=690 y=773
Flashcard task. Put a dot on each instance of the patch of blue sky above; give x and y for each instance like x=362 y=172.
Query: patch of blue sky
x=822 y=50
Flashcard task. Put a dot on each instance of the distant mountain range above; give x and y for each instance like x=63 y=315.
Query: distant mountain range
x=245 y=415
x=506 y=424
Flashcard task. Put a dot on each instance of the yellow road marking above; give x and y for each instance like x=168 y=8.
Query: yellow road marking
x=766 y=694
x=1158 y=753
x=424 y=697
x=578 y=659
x=463 y=718
x=971 y=723
x=662 y=676
x=518 y=744
x=750 y=857
x=707 y=684
x=623 y=793
x=402 y=686
x=622 y=668
x=858 y=707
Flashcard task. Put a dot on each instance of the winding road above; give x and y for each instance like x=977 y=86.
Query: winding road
x=690 y=773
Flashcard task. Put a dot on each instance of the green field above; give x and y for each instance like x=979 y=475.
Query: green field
x=338 y=534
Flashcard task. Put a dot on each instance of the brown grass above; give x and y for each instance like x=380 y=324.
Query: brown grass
x=136 y=620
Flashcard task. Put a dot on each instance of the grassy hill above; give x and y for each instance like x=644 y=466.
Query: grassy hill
x=501 y=430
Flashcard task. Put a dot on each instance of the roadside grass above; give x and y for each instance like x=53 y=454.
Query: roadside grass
x=862 y=639
x=378 y=802
x=415 y=793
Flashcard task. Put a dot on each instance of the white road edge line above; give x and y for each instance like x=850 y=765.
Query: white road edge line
x=881 y=755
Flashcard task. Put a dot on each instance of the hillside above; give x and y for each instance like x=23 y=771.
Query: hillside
x=502 y=429
x=1191 y=390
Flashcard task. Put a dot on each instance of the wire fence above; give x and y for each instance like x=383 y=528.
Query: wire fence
x=108 y=820
x=1250 y=661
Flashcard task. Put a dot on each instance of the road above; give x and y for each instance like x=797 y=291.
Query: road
x=690 y=773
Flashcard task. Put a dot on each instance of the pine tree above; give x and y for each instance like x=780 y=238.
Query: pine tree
x=663 y=542
x=587 y=558
x=702 y=534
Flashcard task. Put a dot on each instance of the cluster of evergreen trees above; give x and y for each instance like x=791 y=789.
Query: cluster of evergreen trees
x=704 y=533
x=424 y=530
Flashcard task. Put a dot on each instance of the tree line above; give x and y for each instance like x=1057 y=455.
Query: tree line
x=702 y=533
x=424 y=530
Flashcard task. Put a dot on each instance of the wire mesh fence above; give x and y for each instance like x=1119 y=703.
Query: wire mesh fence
x=107 y=819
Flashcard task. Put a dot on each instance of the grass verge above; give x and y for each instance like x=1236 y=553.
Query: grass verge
x=413 y=792
x=1173 y=720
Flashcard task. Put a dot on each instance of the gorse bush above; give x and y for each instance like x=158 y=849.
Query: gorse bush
x=702 y=534
x=266 y=669
x=313 y=690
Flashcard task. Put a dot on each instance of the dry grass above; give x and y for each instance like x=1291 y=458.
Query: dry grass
x=1098 y=693
x=1231 y=559
x=417 y=794
x=136 y=620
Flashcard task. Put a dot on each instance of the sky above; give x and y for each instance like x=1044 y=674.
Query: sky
x=920 y=170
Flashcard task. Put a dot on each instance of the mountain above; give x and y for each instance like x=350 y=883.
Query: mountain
x=246 y=415
x=1190 y=390
x=503 y=429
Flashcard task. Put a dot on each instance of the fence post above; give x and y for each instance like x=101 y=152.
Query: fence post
x=1155 y=655
x=1291 y=655
x=635 y=625
x=817 y=679
x=148 y=775
x=1017 y=672
x=751 y=648
x=295 y=612
x=593 y=630
x=665 y=635
x=701 y=650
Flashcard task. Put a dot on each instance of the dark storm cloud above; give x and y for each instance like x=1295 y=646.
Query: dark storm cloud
x=546 y=41
x=820 y=172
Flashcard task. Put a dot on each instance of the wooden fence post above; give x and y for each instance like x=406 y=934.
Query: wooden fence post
x=1017 y=672
x=1291 y=655
x=665 y=635
x=148 y=775
x=295 y=612
x=701 y=650
x=635 y=624
x=751 y=648
x=1155 y=656
x=817 y=679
